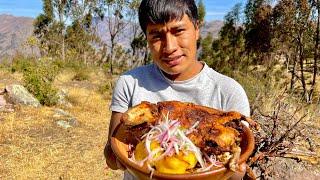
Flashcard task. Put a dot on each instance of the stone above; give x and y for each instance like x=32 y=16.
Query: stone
x=3 y=102
x=64 y=124
x=62 y=94
x=67 y=123
x=18 y=94
x=65 y=119
x=4 y=105
x=61 y=112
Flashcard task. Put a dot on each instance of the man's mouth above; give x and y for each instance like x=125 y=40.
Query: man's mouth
x=173 y=61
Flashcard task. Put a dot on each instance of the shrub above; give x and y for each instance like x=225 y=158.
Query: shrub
x=20 y=64
x=39 y=79
x=4 y=63
x=81 y=75
x=106 y=88
x=254 y=85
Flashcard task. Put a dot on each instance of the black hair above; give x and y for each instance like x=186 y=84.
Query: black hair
x=162 y=11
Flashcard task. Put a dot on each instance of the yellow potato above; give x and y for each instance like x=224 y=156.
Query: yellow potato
x=171 y=165
x=175 y=164
x=190 y=158
x=140 y=152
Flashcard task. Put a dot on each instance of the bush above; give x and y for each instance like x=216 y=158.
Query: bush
x=4 y=63
x=20 y=64
x=39 y=79
x=106 y=88
x=253 y=84
x=81 y=75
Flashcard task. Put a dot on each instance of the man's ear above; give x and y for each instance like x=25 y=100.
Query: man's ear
x=197 y=28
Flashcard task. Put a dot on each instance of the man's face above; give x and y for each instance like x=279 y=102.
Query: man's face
x=173 y=47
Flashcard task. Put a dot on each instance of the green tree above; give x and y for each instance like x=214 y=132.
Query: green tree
x=116 y=11
x=201 y=15
x=258 y=23
x=316 y=7
x=138 y=41
x=206 y=53
x=228 y=49
x=59 y=19
x=201 y=12
x=232 y=34
x=42 y=26
x=140 y=48
x=294 y=26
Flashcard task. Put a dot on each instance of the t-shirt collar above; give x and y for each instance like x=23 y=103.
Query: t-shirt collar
x=205 y=66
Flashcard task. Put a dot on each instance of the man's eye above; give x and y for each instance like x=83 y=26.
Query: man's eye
x=179 y=31
x=156 y=37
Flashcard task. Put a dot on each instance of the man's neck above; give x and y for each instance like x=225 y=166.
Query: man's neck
x=196 y=69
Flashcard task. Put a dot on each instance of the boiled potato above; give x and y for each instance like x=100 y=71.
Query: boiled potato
x=190 y=158
x=141 y=151
x=171 y=165
x=175 y=164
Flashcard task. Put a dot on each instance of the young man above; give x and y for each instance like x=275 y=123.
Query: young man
x=171 y=28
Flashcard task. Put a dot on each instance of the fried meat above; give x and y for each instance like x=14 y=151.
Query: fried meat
x=213 y=131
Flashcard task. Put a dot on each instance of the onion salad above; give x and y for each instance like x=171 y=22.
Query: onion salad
x=172 y=139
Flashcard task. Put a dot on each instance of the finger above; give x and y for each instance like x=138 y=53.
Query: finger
x=243 y=167
x=120 y=165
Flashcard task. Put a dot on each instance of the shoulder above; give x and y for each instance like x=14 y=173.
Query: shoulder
x=137 y=75
x=139 y=71
x=222 y=81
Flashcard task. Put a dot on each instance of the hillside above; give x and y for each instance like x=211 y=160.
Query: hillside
x=35 y=145
x=213 y=27
x=13 y=33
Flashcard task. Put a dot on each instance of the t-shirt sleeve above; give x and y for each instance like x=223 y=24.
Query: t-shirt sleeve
x=238 y=100
x=121 y=95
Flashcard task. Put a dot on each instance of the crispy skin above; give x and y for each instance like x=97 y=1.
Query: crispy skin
x=217 y=132
x=144 y=112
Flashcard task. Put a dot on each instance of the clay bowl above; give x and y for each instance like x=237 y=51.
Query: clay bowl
x=120 y=141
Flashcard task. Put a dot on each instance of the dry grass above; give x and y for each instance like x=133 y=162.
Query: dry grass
x=33 y=146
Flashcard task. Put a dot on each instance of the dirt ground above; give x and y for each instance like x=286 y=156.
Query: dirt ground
x=34 y=146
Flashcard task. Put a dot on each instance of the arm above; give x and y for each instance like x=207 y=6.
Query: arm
x=111 y=159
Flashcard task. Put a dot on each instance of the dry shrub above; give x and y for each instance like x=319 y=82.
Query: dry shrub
x=283 y=133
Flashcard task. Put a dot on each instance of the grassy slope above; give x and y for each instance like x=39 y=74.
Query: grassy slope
x=32 y=146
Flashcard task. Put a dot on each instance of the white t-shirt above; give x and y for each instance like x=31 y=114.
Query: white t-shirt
x=208 y=88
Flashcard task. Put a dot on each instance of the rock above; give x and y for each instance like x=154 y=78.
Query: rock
x=60 y=112
x=62 y=94
x=65 y=119
x=3 y=102
x=67 y=123
x=17 y=94
x=4 y=105
x=64 y=124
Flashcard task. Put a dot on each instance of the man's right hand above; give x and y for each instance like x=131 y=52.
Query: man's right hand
x=111 y=160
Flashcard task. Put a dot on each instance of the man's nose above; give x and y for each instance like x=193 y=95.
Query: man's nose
x=170 y=44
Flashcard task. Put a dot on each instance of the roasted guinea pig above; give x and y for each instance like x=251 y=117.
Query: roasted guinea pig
x=214 y=132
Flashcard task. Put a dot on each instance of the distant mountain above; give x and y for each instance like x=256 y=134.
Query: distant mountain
x=126 y=35
x=213 y=27
x=14 y=31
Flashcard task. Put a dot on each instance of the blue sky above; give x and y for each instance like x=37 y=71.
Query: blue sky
x=215 y=9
